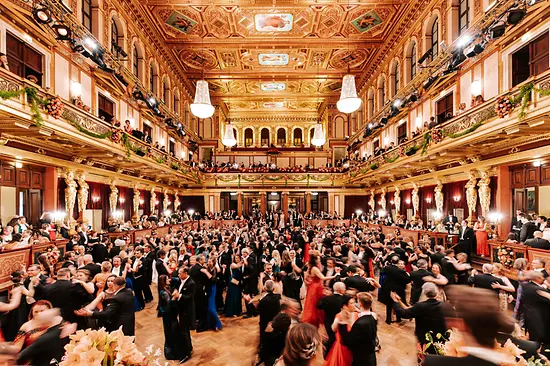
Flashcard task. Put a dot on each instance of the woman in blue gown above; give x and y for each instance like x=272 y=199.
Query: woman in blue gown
x=212 y=319
x=233 y=299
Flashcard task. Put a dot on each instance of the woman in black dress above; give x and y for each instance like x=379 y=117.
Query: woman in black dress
x=169 y=312
x=292 y=280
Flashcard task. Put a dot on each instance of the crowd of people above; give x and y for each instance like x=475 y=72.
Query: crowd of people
x=340 y=166
x=301 y=281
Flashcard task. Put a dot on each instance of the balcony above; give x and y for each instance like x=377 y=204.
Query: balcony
x=80 y=136
x=477 y=134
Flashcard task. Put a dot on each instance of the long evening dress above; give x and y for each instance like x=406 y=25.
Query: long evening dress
x=212 y=319
x=311 y=314
x=233 y=299
x=340 y=355
x=481 y=240
x=169 y=312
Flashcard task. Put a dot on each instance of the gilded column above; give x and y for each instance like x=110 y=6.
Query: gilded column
x=135 y=204
x=397 y=200
x=372 y=202
x=284 y=205
x=82 y=194
x=152 y=202
x=113 y=196
x=471 y=196
x=415 y=199
x=239 y=203
x=383 y=199
x=263 y=202
x=438 y=196
x=308 y=202
x=70 y=194
x=177 y=202
x=165 y=201
x=484 y=192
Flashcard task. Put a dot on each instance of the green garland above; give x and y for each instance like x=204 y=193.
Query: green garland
x=426 y=142
x=374 y=166
x=127 y=145
x=391 y=160
x=410 y=151
x=101 y=136
x=524 y=97
x=472 y=128
x=174 y=166
x=160 y=160
x=34 y=100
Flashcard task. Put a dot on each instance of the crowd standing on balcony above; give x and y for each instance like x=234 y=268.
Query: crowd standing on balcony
x=283 y=269
x=227 y=167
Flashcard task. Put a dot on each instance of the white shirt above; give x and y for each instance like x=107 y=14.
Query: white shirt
x=117 y=270
x=181 y=287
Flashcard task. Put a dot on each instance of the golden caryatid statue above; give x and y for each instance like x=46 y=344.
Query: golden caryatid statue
x=152 y=202
x=135 y=204
x=70 y=193
x=415 y=199
x=82 y=193
x=165 y=201
x=383 y=199
x=372 y=202
x=177 y=202
x=471 y=196
x=484 y=192
x=397 y=200
x=438 y=196
x=113 y=197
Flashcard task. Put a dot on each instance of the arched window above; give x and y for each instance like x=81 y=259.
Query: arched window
x=413 y=60
x=381 y=92
x=176 y=104
x=87 y=14
x=395 y=78
x=166 y=91
x=248 y=137
x=114 y=37
x=370 y=104
x=463 y=15
x=136 y=62
x=311 y=133
x=281 y=136
x=435 y=38
x=152 y=78
x=264 y=137
x=298 y=137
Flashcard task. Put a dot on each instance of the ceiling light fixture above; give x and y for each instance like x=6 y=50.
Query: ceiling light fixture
x=349 y=102
x=229 y=139
x=319 y=137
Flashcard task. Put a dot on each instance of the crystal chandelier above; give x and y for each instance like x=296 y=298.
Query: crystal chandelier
x=229 y=139
x=202 y=107
x=348 y=102
x=319 y=138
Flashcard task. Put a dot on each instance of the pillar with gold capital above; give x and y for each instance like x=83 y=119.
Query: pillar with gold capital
x=263 y=201
x=82 y=194
x=308 y=202
x=239 y=203
x=135 y=205
x=152 y=202
x=70 y=194
x=471 y=196
x=165 y=201
x=284 y=204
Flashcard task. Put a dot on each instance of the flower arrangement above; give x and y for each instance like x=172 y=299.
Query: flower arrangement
x=77 y=101
x=437 y=136
x=116 y=136
x=99 y=347
x=506 y=256
x=273 y=152
x=54 y=107
x=503 y=107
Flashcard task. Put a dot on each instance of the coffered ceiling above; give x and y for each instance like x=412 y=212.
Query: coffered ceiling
x=279 y=54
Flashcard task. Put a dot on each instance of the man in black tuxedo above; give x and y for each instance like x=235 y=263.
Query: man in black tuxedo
x=517 y=223
x=159 y=264
x=250 y=277
x=138 y=276
x=417 y=279
x=539 y=265
x=268 y=307
x=148 y=259
x=329 y=270
x=332 y=305
x=450 y=221
x=396 y=281
x=69 y=259
x=535 y=305
x=428 y=315
x=90 y=265
x=438 y=255
x=224 y=262
x=200 y=279
x=186 y=311
x=118 y=310
x=357 y=282
x=467 y=240
x=528 y=229
x=537 y=241
x=65 y=295
x=486 y=280
x=34 y=274
x=99 y=250
x=450 y=266
x=361 y=340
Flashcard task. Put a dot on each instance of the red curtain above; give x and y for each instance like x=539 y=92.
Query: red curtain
x=406 y=195
x=195 y=203
x=427 y=202
x=125 y=202
x=354 y=203
x=454 y=194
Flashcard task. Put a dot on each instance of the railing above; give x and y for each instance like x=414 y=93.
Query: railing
x=86 y=123
x=457 y=126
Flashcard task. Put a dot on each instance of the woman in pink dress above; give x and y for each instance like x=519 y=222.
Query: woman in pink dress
x=480 y=229
x=340 y=355
x=315 y=291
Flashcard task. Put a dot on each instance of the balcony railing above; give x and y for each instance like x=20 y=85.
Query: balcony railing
x=83 y=121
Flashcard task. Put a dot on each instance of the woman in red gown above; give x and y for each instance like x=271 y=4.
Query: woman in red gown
x=315 y=290
x=340 y=355
x=482 y=244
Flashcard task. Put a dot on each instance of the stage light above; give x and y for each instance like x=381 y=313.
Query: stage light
x=64 y=33
x=120 y=51
x=384 y=120
x=474 y=50
x=425 y=56
x=371 y=125
x=429 y=82
x=475 y=88
x=90 y=43
x=515 y=16
x=42 y=14
x=413 y=98
x=497 y=31
x=464 y=41
x=397 y=103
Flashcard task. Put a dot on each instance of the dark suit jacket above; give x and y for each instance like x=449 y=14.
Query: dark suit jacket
x=432 y=360
x=269 y=306
x=93 y=268
x=484 y=281
x=186 y=304
x=100 y=252
x=536 y=310
x=358 y=283
x=437 y=258
x=396 y=281
x=331 y=305
x=361 y=340
x=448 y=270
x=428 y=316
x=147 y=261
x=538 y=243
x=118 y=311
x=66 y=296
x=467 y=241
x=45 y=348
x=161 y=269
x=417 y=283
x=527 y=231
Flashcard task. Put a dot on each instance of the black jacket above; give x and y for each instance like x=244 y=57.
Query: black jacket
x=396 y=281
x=49 y=346
x=484 y=281
x=66 y=296
x=428 y=316
x=536 y=310
x=361 y=340
x=358 y=283
x=538 y=243
x=417 y=283
x=186 y=304
x=527 y=231
x=269 y=306
x=93 y=268
x=118 y=311
x=331 y=305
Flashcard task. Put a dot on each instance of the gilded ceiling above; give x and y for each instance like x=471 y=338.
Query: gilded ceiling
x=274 y=51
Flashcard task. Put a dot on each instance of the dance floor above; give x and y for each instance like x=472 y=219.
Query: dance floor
x=236 y=343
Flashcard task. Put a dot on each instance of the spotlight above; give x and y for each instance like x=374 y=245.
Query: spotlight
x=42 y=14
x=464 y=41
x=137 y=94
x=425 y=56
x=120 y=51
x=413 y=98
x=90 y=43
x=474 y=50
x=151 y=102
x=371 y=125
x=393 y=112
x=64 y=33
x=532 y=2
x=497 y=31
x=121 y=78
x=515 y=16
x=397 y=103
x=78 y=47
x=384 y=120
x=430 y=81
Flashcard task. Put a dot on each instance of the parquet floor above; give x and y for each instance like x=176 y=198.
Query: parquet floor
x=236 y=343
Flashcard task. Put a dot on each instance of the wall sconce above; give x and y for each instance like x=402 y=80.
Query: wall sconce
x=475 y=88
x=95 y=199
x=169 y=202
x=117 y=214
x=167 y=213
x=428 y=200
x=76 y=89
x=408 y=201
x=359 y=212
x=156 y=203
x=456 y=198
x=392 y=203
x=141 y=202
x=495 y=217
x=122 y=199
x=18 y=165
x=536 y=163
x=382 y=213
